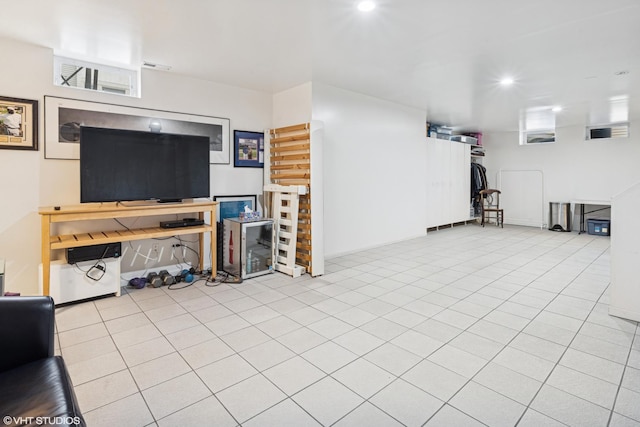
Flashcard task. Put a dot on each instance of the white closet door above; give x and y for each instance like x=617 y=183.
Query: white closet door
x=448 y=172
x=444 y=149
x=431 y=183
x=466 y=190
x=435 y=184
x=460 y=181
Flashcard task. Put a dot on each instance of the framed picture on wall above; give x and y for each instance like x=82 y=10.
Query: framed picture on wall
x=63 y=118
x=231 y=206
x=248 y=149
x=18 y=123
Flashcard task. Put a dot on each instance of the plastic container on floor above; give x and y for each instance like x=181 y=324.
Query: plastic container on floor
x=599 y=227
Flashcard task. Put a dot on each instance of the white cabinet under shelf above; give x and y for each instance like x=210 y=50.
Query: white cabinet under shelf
x=70 y=283
x=448 y=186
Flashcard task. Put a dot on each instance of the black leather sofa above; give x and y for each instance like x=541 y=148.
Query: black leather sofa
x=35 y=388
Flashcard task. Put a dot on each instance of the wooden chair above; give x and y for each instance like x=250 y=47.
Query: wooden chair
x=490 y=205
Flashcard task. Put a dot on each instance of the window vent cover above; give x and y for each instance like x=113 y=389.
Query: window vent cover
x=612 y=130
x=79 y=74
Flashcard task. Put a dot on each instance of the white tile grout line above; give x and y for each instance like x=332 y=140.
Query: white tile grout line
x=624 y=370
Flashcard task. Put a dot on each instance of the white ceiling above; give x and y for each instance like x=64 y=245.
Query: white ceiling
x=444 y=56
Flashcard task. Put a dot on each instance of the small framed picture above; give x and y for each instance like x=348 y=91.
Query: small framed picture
x=18 y=124
x=248 y=149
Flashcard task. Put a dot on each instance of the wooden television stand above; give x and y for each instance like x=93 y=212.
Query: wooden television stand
x=94 y=211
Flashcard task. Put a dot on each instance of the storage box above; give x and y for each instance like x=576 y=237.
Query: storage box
x=599 y=227
x=464 y=139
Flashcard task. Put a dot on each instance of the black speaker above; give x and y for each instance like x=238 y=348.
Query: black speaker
x=94 y=252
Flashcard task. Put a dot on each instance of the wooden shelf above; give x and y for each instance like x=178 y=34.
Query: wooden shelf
x=96 y=211
x=102 y=237
x=89 y=211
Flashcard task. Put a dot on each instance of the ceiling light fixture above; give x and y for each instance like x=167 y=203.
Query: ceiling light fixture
x=506 y=81
x=556 y=109
x=366 y=6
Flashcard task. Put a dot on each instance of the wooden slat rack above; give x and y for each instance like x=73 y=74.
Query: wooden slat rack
x=294 y=161
x=96 y=211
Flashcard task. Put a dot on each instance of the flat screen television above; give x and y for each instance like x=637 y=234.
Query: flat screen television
x=123 y=165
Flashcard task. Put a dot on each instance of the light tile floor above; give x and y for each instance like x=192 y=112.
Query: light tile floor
x=466 y=326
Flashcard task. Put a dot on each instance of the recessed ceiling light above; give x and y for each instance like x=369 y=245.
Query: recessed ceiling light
x=366 y=6
x=506 y=81
x=556 y=109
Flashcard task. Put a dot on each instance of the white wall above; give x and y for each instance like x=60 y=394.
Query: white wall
x=572 y=167
x=292 y=106
x=28 y=181
x=374 y=170
x=625 y=282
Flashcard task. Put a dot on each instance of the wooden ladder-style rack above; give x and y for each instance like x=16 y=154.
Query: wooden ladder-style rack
x=293 y=157
x=285 y=218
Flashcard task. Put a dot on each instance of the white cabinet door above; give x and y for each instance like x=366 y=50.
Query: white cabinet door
x=448 y=186
x=465 y=205
x=432 y=193
x=438 y=182
x=443 y=181
x=460 y=175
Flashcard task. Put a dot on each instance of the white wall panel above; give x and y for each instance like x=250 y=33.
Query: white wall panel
x=292 y=106
x=374 y=170
x=522 y=197
x=625 y=253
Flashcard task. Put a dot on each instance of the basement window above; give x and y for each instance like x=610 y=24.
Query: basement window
x=611 y=130
x=74 y=73
x=537 y=126
x=539 y=137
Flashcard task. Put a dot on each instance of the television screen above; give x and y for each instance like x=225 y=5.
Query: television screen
x=123 y=165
